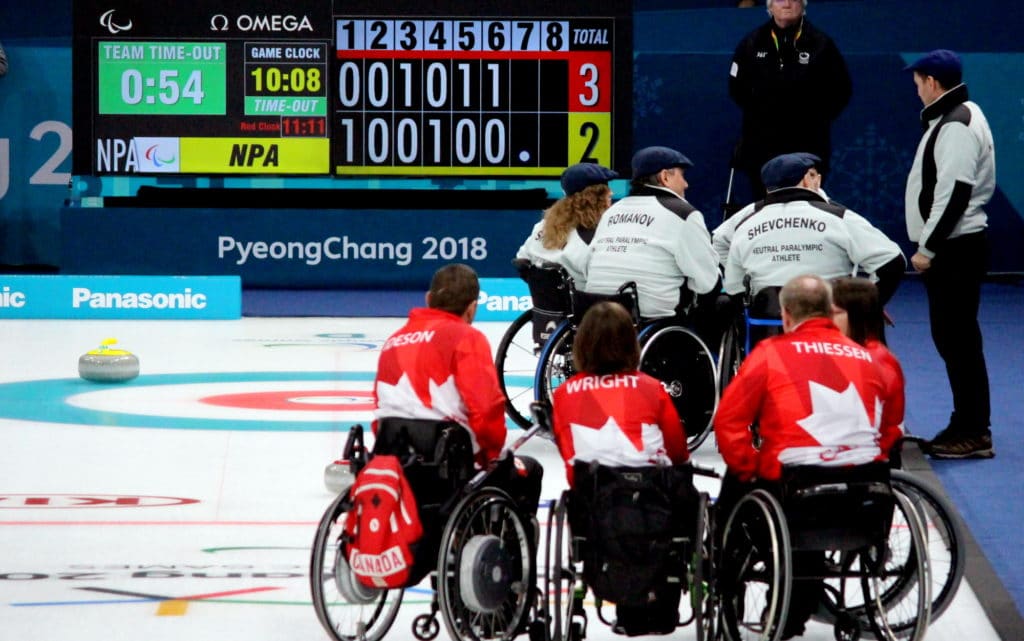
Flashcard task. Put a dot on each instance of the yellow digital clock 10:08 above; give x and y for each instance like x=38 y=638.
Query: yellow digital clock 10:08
x=285 y=79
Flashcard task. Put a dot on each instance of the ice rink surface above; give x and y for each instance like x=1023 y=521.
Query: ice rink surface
x=182 y=505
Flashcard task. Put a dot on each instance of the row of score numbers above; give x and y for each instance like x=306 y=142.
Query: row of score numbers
x=161 y=78
x=396 y=35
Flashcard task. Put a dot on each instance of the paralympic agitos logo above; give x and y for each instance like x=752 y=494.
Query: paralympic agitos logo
x=107 y=20
x=66 y=501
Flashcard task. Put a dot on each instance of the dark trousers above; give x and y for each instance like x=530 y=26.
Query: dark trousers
x=953 y=284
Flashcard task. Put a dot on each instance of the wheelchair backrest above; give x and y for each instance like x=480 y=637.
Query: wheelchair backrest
x=631 y=526
x=550 y=286
x=838 y=508
x=627 y=296
x=438 y=455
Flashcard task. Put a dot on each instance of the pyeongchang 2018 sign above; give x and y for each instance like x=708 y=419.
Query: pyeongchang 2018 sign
x=121 y=297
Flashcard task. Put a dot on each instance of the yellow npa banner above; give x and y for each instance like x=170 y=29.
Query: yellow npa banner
x=255 y=155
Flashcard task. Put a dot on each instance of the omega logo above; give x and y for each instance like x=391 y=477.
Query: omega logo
x=274 y=22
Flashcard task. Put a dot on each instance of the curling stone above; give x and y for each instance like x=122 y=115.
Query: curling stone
x=107 y=364
x=338 y=476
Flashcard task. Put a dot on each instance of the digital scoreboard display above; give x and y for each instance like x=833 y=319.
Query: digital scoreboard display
x=399 y=89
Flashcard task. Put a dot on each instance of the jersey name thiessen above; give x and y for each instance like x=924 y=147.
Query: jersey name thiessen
x=610 y=381
x=635 y=218
x=792 y=222
x=832 y=349
x=408 y=339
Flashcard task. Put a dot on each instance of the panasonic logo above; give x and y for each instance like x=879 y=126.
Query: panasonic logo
x=13 y=299
x=504 y=303
x=85 y=297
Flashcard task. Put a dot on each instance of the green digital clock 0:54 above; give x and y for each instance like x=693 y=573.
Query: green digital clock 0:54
x=162 y=78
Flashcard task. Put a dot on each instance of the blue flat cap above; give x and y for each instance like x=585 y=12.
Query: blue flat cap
x=941 y=64
x=582 y=175
x=787 y=170
x=650 y=160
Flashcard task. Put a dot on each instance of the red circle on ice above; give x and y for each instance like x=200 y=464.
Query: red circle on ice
x=313 y=401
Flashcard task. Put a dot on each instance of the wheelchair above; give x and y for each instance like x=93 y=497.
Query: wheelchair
x=518 y=352
x=673 y=354
x=738 y=337
x=844 y=518
x=478 y=549
x=945 y=552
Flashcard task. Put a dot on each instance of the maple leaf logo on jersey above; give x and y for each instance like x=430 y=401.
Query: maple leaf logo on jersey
x=444 y=401
x=610 y=445
x=840 y=423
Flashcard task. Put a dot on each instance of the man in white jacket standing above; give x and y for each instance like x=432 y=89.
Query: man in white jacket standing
x=952 y=178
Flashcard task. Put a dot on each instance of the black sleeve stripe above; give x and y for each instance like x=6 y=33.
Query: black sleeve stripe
x=929 y=170
x=954 y=211
x=832 y=208
x=677 y=206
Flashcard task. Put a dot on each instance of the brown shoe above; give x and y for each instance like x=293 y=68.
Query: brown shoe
x=960 y=446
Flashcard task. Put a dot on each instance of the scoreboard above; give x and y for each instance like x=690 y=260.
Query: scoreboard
x=473 y=88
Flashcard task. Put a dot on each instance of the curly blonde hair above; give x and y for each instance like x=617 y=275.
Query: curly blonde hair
x=582 y=209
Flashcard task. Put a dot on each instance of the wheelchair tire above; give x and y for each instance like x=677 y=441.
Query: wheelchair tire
x=683 y=363
x=555 y=365
x=730 y=355
x=701 y=573
x=487 y=512
x=946 y=547
x=562 y=580
x=754 y=573
x=516 y=361
x=371 y=616
x=905 y=618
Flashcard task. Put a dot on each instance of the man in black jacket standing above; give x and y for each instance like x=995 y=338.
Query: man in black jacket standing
x=791 y=82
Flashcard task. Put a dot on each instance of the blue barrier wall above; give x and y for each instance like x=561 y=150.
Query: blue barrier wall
x=680 y=99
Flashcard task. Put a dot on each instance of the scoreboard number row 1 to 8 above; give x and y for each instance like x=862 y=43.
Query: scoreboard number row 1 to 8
x=389 y=96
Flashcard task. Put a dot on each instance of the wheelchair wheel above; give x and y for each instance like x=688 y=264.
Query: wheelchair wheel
x=486 y=568
x=516 y=361
x=683 y=363
x=905 y=618
x=700 y=572
x=945 y=537
x=555 y=364
x=754 y=572
x=730 y=354
x=568 y=621
x=347 y=610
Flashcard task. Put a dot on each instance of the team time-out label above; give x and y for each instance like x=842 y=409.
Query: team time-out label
x=471 y=96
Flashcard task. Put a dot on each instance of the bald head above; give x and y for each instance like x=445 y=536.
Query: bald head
x=805 y=297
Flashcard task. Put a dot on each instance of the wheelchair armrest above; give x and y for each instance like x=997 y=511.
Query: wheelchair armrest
x=704 y=471
x=896 y=451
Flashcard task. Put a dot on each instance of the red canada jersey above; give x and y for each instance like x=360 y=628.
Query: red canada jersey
x=895 y=385
x=817 y=398
x=439 y=367
x=617 y=419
